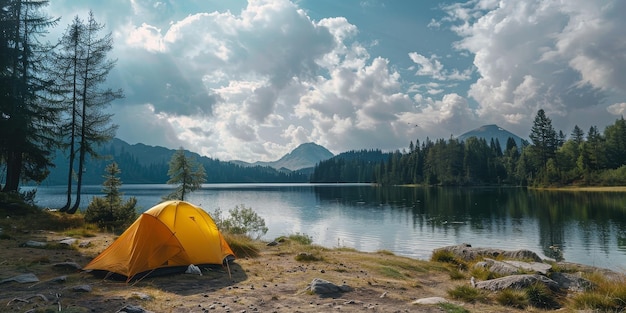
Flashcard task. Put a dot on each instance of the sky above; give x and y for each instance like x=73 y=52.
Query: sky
x=252 y=80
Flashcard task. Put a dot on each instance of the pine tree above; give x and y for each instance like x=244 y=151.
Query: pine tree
x=185 y=172
x=110 y=210
x=544 y=139
x=28 y=110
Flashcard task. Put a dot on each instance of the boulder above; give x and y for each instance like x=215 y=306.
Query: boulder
x=430 y=300
x=572 y=282
x=320 y=286
x=24 y=278
x=537 y=267
x=516 y=282
x=467 y=252
x=511 y=267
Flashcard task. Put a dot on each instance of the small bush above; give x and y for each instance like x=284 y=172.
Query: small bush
x=456 y=274
x=467 y=293
x=512 y=298
x=482 y=273
x=540 y=296
x=107 y=215
x=242 y=221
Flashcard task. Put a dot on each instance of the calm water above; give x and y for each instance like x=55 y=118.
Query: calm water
x=589 y=228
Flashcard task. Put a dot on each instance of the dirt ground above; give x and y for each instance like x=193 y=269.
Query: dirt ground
x=272 y=282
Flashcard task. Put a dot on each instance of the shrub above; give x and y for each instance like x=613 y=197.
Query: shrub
x=467 y=293
x=540 y=296
x=512 y=298
x=242 y=221
x=110 y=211
x=105 y=215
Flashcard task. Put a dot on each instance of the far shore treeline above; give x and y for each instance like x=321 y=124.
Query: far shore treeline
x=551 y=159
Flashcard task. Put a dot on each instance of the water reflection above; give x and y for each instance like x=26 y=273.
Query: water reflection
x=584 y=227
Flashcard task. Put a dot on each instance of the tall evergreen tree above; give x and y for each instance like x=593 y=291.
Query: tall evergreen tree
x=28 y=110
x=544 y=139
x=185 y=172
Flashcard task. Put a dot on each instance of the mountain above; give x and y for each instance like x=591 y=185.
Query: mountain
x=496 y=132
x=143 y=164
x=304 y=156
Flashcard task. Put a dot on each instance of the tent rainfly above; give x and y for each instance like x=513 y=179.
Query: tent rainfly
x=170 y=235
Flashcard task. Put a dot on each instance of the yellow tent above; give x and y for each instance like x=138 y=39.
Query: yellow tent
x=170 y=234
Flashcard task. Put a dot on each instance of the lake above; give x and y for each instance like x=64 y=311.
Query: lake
x=588 y=227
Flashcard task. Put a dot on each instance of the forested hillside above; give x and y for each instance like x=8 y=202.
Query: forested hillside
x=142 y=164
x=551 y=159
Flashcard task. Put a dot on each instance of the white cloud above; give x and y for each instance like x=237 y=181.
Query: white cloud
x=618 y=109
x=559 y=56
x=432 y=67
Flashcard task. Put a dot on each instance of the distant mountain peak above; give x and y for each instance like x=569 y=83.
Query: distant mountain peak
x=304 y=156
x=493 y=131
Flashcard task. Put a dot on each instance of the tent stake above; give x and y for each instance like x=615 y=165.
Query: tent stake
x=228 y=267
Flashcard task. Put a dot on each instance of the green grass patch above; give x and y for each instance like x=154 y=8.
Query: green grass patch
x=404 y=264
x=468 y=293
x=302 y=239
x=512 y=298
x=391 y=272
x=608 y=295
x=87 y=231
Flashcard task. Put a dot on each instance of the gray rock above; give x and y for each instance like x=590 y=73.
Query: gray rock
x=24 y=278
x=132 y=309
x=60 y=279
x=468 y=253
x=511 y=267
x=516 y=282
x=82 y=288
x=68 y=241
x=320 y=286
x=537 y=267
x=501 y=268
x=572 y=282
x=67 y=265
x=34 y=244
x=430 y=300
x=84 y=244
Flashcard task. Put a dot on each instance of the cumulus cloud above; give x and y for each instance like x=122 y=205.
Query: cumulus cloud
x=559 y=56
